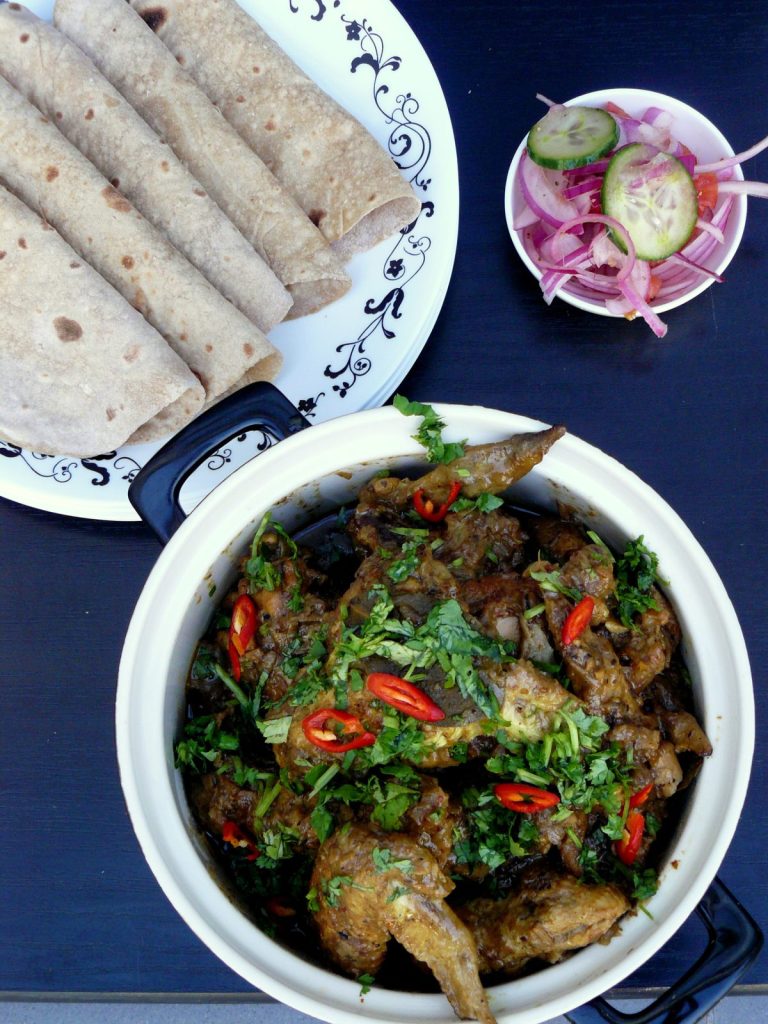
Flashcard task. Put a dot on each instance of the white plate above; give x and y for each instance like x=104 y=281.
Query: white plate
x=353 y=354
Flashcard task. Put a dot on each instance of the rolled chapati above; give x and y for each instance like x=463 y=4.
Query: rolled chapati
x=339 y=174
x=80 y=370
x=54 y=75
x=148 y=76
x=39 y=165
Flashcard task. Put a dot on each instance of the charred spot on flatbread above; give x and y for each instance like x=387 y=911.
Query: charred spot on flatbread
x=128 y=262
x=24 y=37
x=316 y=216
x=74 y=265
x=66 y=329
x=155 y=17
x=23 y=243
x=115 y=201
x=51 y=173
x=3 y=254
x=89 y=114
x=270 y=126
x=111 y=414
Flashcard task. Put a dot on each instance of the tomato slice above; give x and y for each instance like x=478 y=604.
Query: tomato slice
x=404 y=696
x=517 y=796
x=706 y=190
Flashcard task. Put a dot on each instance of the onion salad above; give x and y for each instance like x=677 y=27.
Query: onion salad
x=620 y=211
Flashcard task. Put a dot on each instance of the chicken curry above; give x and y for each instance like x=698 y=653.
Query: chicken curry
x=441 y=720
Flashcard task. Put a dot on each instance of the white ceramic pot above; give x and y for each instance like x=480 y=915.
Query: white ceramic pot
x=321 y=468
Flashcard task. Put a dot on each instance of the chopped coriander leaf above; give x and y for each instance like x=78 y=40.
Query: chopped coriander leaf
x=331 y=888
x=319 y=781
x=459 y=752
x=261 y=572
x=531 y=613
x=482 y=503
x=268 y=797
x=397 y=892
x=430 y=431
x=407 y=565
x=383 y=861
x=322 y=822
x=275 y=730
x=636 y=573
x=365 y=981
x=203 y=744
x=552 y=582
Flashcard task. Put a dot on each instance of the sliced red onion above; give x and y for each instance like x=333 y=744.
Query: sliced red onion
x=589 y=185
x=549 y=103
x=677 y=257
x=618 y=228
x=711 y=229
x=688 y=160
x=744 y=188
x=598 y=167
x=525 y=219
x=541 y=197
x=619 y=307
x=659 y=118
x=638 y=303
x=731 y=161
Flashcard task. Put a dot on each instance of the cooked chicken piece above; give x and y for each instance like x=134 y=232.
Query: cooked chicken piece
x=592 y=665
x=685 y=733
x=647 y=649
x=650 y=750
x=474 y=543
x=372 y=886
x=590 y=571
x=559 y=537
x=491 y=468
x=546 y=919
x=560 y=833
x=217 y=800
x=433 y=820
x=483 y=469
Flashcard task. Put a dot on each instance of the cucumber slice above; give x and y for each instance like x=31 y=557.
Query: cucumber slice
x=653 y=196
x=568 y=137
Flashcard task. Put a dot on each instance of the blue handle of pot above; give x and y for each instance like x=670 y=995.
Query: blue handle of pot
x=154 y=492
x=734 y=942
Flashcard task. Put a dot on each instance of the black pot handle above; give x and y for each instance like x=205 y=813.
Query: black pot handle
x=154 y=492
x=734 y=942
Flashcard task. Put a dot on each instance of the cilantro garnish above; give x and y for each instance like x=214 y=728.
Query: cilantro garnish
x=203 y=744
x=430 y=432
x=365 y=981
x=553 y=583
x=383 y=861
x=636 y=572
x=261 y=572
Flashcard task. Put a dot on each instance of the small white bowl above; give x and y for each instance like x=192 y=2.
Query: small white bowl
x=689 y=127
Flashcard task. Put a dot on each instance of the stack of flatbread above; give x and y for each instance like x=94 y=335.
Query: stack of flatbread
x=171 y=187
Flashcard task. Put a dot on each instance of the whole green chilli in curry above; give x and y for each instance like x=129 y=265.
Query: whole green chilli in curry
x=441 y=720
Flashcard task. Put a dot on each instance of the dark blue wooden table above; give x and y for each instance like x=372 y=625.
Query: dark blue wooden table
x=80 y=911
